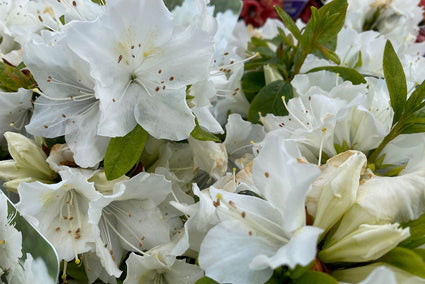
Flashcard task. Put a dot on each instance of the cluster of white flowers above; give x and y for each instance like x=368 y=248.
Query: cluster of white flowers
x=212 y=194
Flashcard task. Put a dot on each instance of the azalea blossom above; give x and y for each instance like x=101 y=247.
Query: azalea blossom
x=60 y=211
x=141 y=68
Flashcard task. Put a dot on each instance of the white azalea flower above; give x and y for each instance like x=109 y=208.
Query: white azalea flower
x=250 y=241
x=383 y=200
x=130 y=219
x=349 y=116
x=257 y=236
x=60 y=211
x=20 y=20
x=142 y=65
x=68 y=106
x=398 y=19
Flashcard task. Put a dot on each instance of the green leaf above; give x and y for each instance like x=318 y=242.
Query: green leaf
x=269 y=100
x=299 y=270
x=287 y=39
x=199 y=134
x=252 y=83
x=396 y=81
x=395 y=171
x=315 y=277
x=415 y=122
x=289 y=23
x=416 y=98
x=223 y=5
x=259 y=42
x=341 y=148
x=265 y=51
x=205 y=280
x=414 y=128
x=420 y=252
x=11 y=79
x=325 y=23
x=124 y=152
x=332 y=18
x=329 y=53
x=346 y=73
x=417 y=233
x=406 y=260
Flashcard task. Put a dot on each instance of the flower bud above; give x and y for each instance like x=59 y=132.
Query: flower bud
x=368 y=242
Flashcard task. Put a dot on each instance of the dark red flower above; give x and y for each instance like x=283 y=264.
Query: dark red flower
x=256 y=12
x=306 y=13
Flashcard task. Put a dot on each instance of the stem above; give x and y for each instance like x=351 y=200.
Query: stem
x=304 y=54
x=395 y=131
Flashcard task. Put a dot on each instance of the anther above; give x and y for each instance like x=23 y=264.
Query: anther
x=119 y=58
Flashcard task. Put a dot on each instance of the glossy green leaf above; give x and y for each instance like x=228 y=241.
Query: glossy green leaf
x=289 y=23
x=416 y=98
x=396 y=81
x=252 y=83
x=346 y=73
x=406 y=260
x=315 y=277
x=199 y=134
x=269 y=100
x=11 y=79
x=205 y=280
x=124 y=152
x=420 y=252
x=417 y=233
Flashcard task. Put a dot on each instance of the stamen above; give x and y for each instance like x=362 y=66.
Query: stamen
x=65 y=266
x=292 y=114
x=222 y=68
x=231 y=210
x=321 y=146
x=68 y=207
x=235 y=184
x=122 y=238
